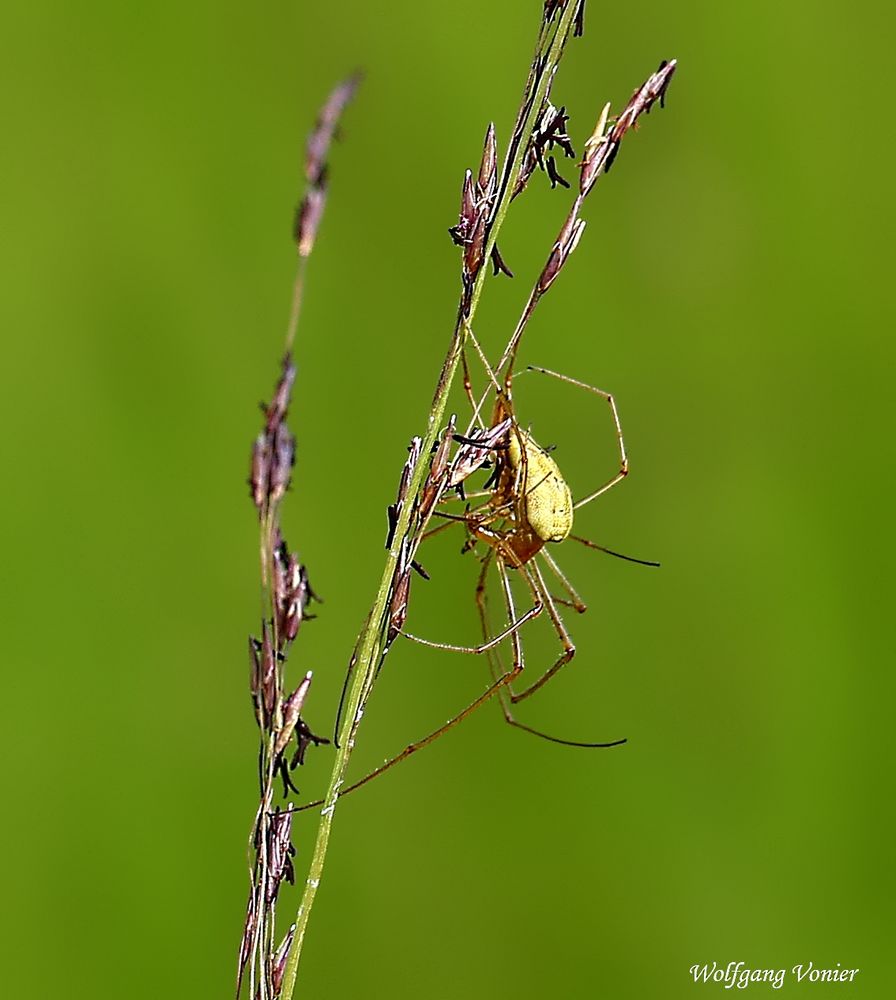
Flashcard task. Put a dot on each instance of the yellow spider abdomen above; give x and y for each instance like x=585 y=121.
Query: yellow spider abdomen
x=547 y=499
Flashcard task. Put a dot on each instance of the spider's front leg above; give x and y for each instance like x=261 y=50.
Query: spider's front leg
x=611 y=402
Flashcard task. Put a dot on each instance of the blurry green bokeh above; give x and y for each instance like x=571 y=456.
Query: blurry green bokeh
x=733 y=290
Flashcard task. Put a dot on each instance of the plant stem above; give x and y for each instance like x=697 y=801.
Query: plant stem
x=296 y=308
x=371 y=642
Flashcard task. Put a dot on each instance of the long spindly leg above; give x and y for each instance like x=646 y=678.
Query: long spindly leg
x=515 y=623
x=475 y=407
x=497 y=685
x=504 y=693
x=503 y=684
x=438 y=529
x=477 y=519
x=475 y=495
x=412 y=748
x=540 y=592
x=468 y=384
x=495 y=663
x=511 y=630
x=575 y=601
x=609 y=552
x=494 y=657
x=489 y=371
x=623 y=458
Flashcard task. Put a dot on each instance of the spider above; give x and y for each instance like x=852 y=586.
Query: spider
x=527 y=507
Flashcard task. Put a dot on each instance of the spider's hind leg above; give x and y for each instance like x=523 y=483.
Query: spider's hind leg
x=540 y=592
x=506 y=697
x=498 y=684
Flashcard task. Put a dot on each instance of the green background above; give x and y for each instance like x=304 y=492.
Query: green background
x=732 y=289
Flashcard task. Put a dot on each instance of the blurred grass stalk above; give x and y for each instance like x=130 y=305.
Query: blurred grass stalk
x=285 y=594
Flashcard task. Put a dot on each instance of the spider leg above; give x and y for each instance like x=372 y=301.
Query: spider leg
x=476 y=495
x=482 y=516
x=505 y=695
x=535 y=581
x=611 y=552
x=575 y=601
x=488 y=368
x=511 y=629
x=412 y=748
x=611 y=402
x=496 y=686
x=495 y=663
x=475 y=407
x=494 y=657
x=437 y=530
x=468 y=385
